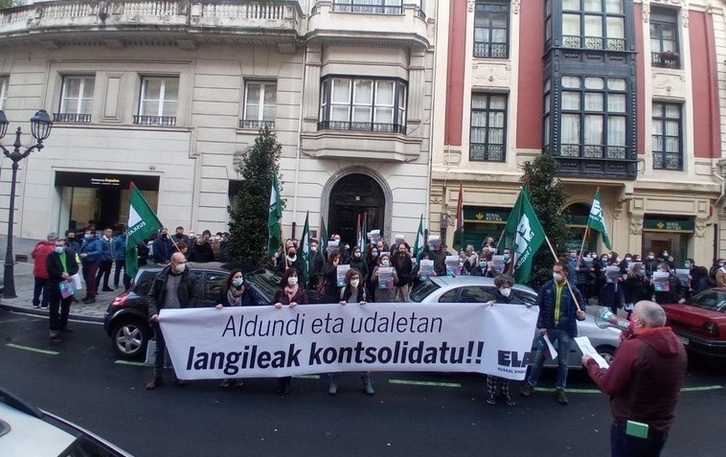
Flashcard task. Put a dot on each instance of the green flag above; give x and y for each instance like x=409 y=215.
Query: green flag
x=418 y=246
x=305 y=253
x=274 y=240
x=142 y=224
x=528 y=235
x=596 y=221
x=323 y=235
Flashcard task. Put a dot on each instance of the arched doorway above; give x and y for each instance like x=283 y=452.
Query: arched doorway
x=579 y=214
x=352 y=196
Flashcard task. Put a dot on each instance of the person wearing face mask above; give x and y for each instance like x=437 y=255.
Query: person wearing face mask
x=508 y=261
x=372 y=260
x=643 y=382
x=354 y=291
x=235 y=293
x=91 y=252
x=358 y=261
x=61 y=265
x=315 y=265
x=39 y=254
x=173 y=287
x=483 y=267
x=163 y=247
x=384 y=292
x=636 y=287
x=558 y=316
x=496 y=386
x=670 y=292
x=290 y=294
x=650 y=264
x=289 y=260
x=401 y=261
x=330 y=275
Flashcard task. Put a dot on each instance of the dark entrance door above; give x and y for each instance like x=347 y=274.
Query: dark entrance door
x=355 y=196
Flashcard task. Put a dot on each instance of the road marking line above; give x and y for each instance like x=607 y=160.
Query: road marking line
x=424 y=383
x=701 y=388
x=129 y=362
x=32 y=349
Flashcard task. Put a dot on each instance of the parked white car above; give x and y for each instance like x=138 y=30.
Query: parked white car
x=478 y=289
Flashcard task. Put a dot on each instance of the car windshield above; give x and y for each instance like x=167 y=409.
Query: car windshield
x=423 y=290
x=714 y=300
x=267 y=281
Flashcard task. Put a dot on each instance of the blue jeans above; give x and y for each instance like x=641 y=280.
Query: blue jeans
x=623 y=445
x=562 y=342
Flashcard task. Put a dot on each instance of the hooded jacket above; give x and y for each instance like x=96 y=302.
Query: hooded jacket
x=40 y=254
x=645 y=378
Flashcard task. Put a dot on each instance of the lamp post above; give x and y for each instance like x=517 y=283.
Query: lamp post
x=40 y=126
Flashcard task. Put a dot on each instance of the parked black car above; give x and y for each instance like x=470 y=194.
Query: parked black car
x=127 y=318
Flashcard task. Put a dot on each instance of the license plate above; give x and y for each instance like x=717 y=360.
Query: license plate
x=684 y=340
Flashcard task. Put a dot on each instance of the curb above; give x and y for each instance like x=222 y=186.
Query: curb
x=44 y=313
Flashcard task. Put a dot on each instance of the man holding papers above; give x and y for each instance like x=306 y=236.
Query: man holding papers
x=643 y=382
x=557 y=321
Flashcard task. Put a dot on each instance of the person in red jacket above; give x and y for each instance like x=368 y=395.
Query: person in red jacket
x=40 y=272
x=643 y=382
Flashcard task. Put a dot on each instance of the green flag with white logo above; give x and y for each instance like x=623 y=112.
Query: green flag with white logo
x=274 y=240
x=142 y=224
x=596 y=221
x=528 y=235
x=418 y=246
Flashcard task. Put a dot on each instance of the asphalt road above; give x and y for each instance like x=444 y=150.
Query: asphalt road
x=412 y=414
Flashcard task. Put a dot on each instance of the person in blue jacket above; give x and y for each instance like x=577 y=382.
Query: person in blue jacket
x=119 y=258
x=91 y=253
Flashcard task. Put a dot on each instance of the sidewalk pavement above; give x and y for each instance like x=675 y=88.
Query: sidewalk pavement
x=24 y=284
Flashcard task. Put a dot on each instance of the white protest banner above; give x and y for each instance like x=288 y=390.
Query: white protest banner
x=263 y=341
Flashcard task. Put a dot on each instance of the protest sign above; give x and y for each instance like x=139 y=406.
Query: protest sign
x=340 y=274
x=452 y=265
x=385 y=278
x=263 y=341
x=612 y=273
x=374 y=236
x=684 y=276
x=426 y=269
x=660 y=281
x=498 y=263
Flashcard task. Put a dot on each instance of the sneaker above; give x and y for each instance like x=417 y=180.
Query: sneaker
x=44 y=307
x=226 y=383
x=368 y=389
x=154 y=383
x=508 y=400
x=54 y=334
x=36 y=306
x=491 y=400
x=238 y=383
x=561 y=397
x=527 y=390
x=332 y=389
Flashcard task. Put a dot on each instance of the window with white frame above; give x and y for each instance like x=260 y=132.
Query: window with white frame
x=4 y=80
x=260 y=105
x=158 y=101
x=76 y=100
x=487 y=139
x=667 y=136
x=363 y=104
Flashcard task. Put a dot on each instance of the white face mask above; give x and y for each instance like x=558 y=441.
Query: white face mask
x=374 y=254
x=505 y=291
x=355 y=282
x=356 y=255
x=180 y=267
x=59 y=249
x=557 y=277
x=238 y=281
x=384 y=262
x=292 y=280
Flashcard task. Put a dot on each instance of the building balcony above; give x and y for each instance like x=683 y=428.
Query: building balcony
x=165 y=121
x=119 y=22
x=369 y=145
x=665 y=60
x=357 y=22
x=71 y=118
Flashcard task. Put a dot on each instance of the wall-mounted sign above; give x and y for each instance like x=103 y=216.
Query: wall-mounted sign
x=673 y=226
x=76 y=179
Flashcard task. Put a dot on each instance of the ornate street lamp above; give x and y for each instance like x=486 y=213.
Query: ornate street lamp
x=40 y=126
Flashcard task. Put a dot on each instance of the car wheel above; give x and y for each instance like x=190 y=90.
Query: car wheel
x=606 y=352
x=129 y=338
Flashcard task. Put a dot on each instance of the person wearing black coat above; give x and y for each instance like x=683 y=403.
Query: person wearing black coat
x=401 y=261
x=201 y=251
x=636 y=287
x=61 y=265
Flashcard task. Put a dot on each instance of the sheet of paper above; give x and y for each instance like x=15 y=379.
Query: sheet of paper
x=586 y=347
x=550 y=347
